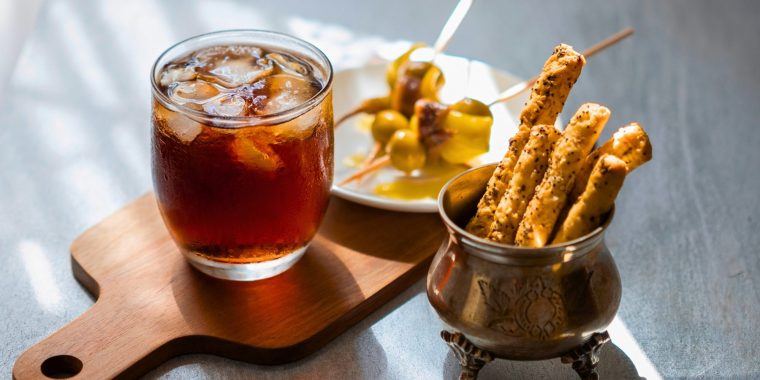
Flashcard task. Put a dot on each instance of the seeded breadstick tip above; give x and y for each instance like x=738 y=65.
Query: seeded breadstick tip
x=629 y=143
x=596 y=200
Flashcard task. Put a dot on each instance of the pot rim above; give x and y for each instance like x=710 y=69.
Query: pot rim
x=513 y=251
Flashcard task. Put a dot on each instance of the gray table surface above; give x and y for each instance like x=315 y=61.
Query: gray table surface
x=74 y=147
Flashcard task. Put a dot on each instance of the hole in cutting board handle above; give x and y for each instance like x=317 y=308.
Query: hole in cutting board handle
x=61 y=366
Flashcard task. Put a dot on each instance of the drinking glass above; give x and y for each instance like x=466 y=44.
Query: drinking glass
x=242 y=193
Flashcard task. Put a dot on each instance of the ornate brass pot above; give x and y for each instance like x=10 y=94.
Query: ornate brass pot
x=514 y=302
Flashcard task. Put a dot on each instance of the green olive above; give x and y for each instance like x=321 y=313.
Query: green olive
x=471 y=107
x=406 y=151
x=386 y=123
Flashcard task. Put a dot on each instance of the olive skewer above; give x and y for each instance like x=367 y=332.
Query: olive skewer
x=411 y=76
x=504 y=96
x=456 y=133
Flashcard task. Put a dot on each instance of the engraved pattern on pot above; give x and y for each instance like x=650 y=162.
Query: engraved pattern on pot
x=524 y=308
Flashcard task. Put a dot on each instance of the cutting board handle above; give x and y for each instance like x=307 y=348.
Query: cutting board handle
x=103 y=343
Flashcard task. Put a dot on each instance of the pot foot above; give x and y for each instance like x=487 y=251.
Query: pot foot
x=471 y=358
x=585 y=358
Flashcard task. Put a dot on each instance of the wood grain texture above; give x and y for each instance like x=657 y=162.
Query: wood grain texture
x=152 y=305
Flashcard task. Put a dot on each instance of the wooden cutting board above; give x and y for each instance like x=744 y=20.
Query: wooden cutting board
x=151 y=305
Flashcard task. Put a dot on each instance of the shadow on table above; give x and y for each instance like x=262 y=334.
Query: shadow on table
x=355 y=354
x=362 y=361
x=613 y=364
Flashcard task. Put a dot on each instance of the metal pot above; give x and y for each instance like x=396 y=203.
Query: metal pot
x=514 y=302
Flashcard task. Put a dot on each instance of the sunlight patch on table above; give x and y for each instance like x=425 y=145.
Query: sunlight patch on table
x=84 y=59
x=623 y=338
x=40 y=274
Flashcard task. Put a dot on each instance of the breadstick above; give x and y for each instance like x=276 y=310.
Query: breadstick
x=575 y=144
x=484 y=216
x=547 y=97
x=596 y=200
x=528 y=173
x=630 y=143
x=549 y=93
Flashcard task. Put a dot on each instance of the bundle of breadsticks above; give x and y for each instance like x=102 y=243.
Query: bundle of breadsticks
x=552 y=186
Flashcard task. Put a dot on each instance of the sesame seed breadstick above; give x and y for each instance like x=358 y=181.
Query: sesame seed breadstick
x=546 y=100
x=575 y=144
x=552 y=87
x=596 y=200
x=528 y=173
x=481 y=222
x=629 y=143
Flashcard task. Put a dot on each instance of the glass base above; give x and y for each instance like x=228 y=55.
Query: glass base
x=244 y=272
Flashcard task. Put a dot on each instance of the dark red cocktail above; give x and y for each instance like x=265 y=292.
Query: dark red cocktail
x=242 y=149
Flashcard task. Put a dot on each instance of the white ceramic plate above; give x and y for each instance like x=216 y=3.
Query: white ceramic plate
x=352 y=139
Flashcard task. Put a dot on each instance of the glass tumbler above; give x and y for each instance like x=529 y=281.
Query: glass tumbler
x=242 y=149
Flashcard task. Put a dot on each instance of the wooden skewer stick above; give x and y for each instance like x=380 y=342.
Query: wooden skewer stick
x=607 y=42
x=522 y=86
x=373 y=154
x=451 y=26
x=376 y=165
x=427 y=54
